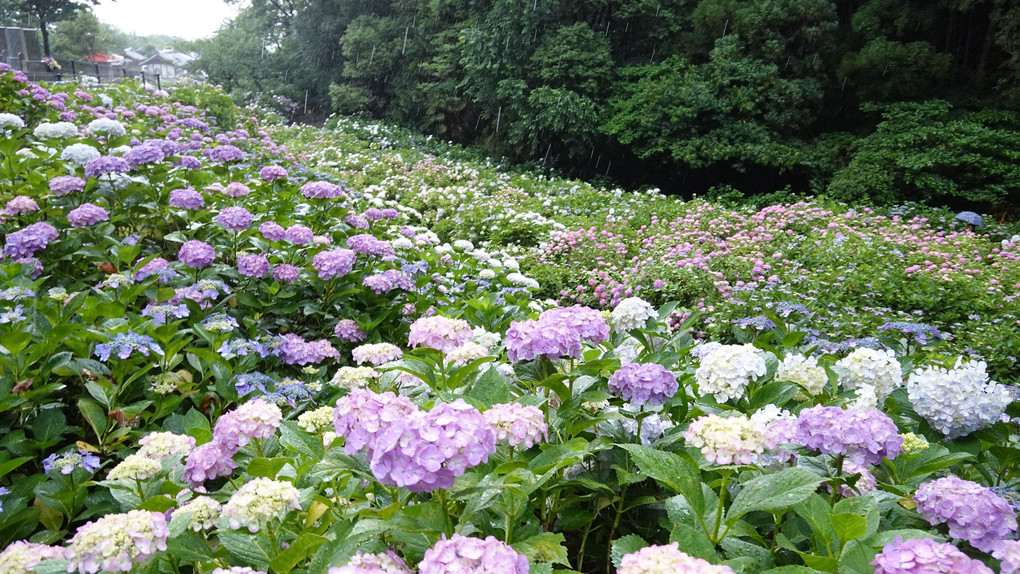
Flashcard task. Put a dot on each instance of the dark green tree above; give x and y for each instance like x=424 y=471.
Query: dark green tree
x=46 y=12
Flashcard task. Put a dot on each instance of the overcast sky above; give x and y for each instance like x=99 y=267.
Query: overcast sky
x=189 y=19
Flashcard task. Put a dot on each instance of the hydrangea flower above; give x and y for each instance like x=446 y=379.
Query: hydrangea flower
x=157 y=266
x=26 y=241
x=273 y=173
x=259 y=501
x=234 y=218
x=116 y=542
x=236 y=189
x=317 y=421
x=468 y=555
x=553 y=338
x=349 y=331
x=518 y=424
x=253 y=265
x=209 y=461
x=143 y=154
x=863 y=436
x=124 y=344
x=112 y=128
x=59 y=130
x=285 y=273
x=353 y=377
x=728 y=370
x=1008 y=551
x=973 y=512
x=642 y=383
x=80 y=153
x=186 y=198
x=803 y=371
x=293 y=350
x=382 y=563
x=370 y=245
x=251 y=420
x=161 y=445
x=20 y=204
x=66 y=462
x=960 y=400
x=925 y=556
x=299 y=234
x=866 y=483
x=225 y=153
x=87 y=214
x=65 y=184
x=438 y=332
x=160 y=313
x=135 y=467
x=873 y=369
x=272 y=231
x=376 y=353
x=22 y=557
x=8 y=121
x=667 y=559
x=727 y=440
x=334 y=263
x=219 y=322
x=632 y=313
x=196 y=254
x=106 y=165
x=321 y=190
x=588 y=322
x=466 y=353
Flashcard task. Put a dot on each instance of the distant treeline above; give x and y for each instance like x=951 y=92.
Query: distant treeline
x=880 y=100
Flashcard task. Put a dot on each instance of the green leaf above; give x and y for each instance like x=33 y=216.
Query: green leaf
x=665 y=467
x=773 y=492
x=8 y=466
x=49 y=425
x=94 y=414
x=491 y=388
x=265 y=467
x=791 y=570
x=254 y=550
x=299 y=550
x=626 y=545
x=545 y=547
x=737 y=548
x=693 y=541
x=849 y=526
x=296 y=439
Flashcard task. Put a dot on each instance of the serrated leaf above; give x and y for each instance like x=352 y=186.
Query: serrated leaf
x=545 y=547
x=773 y=492
x=624 y=546
x=693 y=541
x=253 y=549
x=298 y=551
x=293 y=438
x=490 y=388
x=665 y=467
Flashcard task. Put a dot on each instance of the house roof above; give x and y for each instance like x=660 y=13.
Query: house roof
x=103 y=58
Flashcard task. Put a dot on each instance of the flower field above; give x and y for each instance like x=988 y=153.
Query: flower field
x=255 y=348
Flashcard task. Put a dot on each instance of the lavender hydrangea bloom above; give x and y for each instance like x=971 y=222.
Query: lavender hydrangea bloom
x=472 y=556
x=973 y=512
x=124 y=344
x=161 y=312
x=87 y=214
x=864 y=436
x=285 y=273
x=116 y=542
x=273 y=173
x=225 y=153
x=188 y=162
x=363 y=416
x=299 y=234
x=159 y=267
x=106 y=165
x=347 y=330
x=234 y=218
x=196 y=254
x=518 y=424
x=245 y=383
x=66 y=462
x=65 y=184
x=20 y=204
x=186 y=198
x=356 y=221
x=25 y=242
x=587 y=321
x=209 y=461
x=253 y=265
x=333 y=263
x=390 y=279
x=294 y=350
x=383 y=563
x=370 y=245
x=22 y=557
x=144 y=154
x=254 y=419
x=640 y=383
x=1008 y=551
x=321 y=190
x=236 y=189
x=552 y=338
x=925 y=556
x=272 y=231
x=241 y=348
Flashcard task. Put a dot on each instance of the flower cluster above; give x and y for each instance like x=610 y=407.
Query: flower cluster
x=196 y=254
x=254 y=419
x=317 y=421
x=334 y=263
x=123 y=344
x=726 y=371
x=1008 y=552
x=294 y=350
x=66 y=462
x=116 y=542
x=957 y=401
x=925 y=556
x=135 y=467
x=632 y=313
x=438 y=332
x=347 y=330
x=863 y=436
x=667 y=559
x=472 y=556
x=353 y=377
x=258 y=501
x=803 y=371
x=25 y=242
x=383 y=563
x=642 y=383
x=973 y=512
x=204 y=512
x=376 y=353
x=517 y=424
x=22 y=557
x=874 y=370
x=727 y=440
x=588 y=322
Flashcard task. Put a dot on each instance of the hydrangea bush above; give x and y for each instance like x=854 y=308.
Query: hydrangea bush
x=219 y=355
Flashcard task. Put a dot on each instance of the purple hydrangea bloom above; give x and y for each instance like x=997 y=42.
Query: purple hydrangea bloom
x=294 y=350
x=251 y=420
x=382 y=563
x=333 y=263
x=272 y=231
x=209 y=461
x=241 y=348
x=864 y=436
x=438 y=332
x=186 y=198
x=160 y=312
x=347 y=330
x=925 y=556
x=587 y=321
x=248 y=382
x=144 y=154
x=234 y=218
x=26 y=241
x=66 y=184
x=285 y=273
x=66 y=462
x=236 y=189
x=20 y=204
x=321 y=190
x=273 y=173
x=225 y=153
x=299 y=234
x=387 y=280
x=196 y=254
x=370 y=245
x=123 y=344
x=973 y=512
x=188 y=162
x=356 y=221
x=106 y=165
x=642 y=383
x=253 y=265
x=472 y=556
x=159 y=267
x=87 y=214
x=552 y=338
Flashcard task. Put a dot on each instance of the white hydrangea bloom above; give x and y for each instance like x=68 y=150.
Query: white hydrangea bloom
x=960 y=400
x=466 y=353
x=804 y=371
x=56 y=130
x=204 y=511
x=727 y=371
x=317 y=421
x=632 y=313
x=402 y=243
x=485 y=338
x=135 y=467
x=111 y=128
x=871 y=368
x=487 y=274
x=353 y=377
x=79 y=153
x=464 y=245
x=11 y=121
x=703 y=350
x=260 y=500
